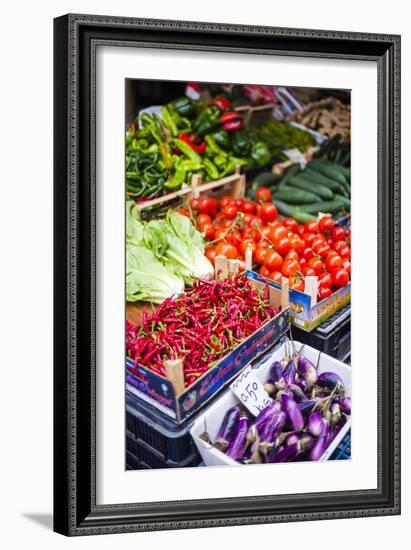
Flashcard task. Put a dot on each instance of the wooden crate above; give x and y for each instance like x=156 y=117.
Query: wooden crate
x=230 y=185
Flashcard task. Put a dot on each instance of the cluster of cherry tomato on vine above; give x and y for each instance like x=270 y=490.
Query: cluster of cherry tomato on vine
x=281 y=248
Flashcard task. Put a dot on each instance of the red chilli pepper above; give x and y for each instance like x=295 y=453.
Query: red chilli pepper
x=189 y=140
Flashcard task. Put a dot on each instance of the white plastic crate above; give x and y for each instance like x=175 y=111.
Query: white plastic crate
x=210 y=421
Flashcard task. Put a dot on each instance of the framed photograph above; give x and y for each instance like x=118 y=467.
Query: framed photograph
x=227 y=275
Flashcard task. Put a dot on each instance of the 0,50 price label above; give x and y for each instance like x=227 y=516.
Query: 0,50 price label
x=250 y=392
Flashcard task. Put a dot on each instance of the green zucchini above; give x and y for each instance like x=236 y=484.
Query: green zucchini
x=302 y=217
x=266 y=179
x=317 y=177
x=344 y=201
x=291 y=171
x=346 y=172
x=329 y=171
x=328 y=207
x=322 y=191
x=293 y=195
x=284 y=209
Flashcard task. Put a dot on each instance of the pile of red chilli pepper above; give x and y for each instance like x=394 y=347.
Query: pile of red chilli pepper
x=200 y=326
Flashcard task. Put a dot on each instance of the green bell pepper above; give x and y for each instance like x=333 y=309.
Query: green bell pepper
x=260 y=153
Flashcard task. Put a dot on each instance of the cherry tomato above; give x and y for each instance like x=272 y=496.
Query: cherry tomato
x=226 y=249
x=347 y=266
x=345 y=252
x=308 y=238
x=210 y=253
x=326 y=225
x=220 y=233
x=307 y=253
x=234 y=237
x=247 y=217
x=273 y=260
x=264 y=271
x=258 y=209
x=311 y=227
x=260 y=254
x=263 y=194
x=230 y=211
x=207 y=205
x=283 y=246
x=292 y=255
x=276 y=276
x=300 y=230
x=317 y=265
x=226 y=223
x=303 y=262
x=256 y=223
x=207 y=231
x=266 y=232
x=333 y=261
x=337 y=245
x=278 y=233
x=324 y=292
x=308 y=272
x=194 y=204
x=248 y=243
x=263 y=243
x=203 y=218
x=241 y=265
x=296 y=242
x=268 y=212
x=340 y=277
x=250 y=233
x=325 y=280
x=338 y=233
x=248 y=207
x=290 y=268
x=291 y=224
x=323 y=250
x=226 y=200
x=183 y=212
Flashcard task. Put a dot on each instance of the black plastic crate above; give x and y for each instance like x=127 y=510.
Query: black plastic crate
x=332 y=337
x=156 y=442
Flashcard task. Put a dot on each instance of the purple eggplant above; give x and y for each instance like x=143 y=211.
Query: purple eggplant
x=289 y=372
x=284 y=453
x=346 y=405
x=330 y=380
x=227 y=428
x=294 y=415
x=335 y=413
x=307 y=406
x=298 y=393
x=307 y=371
x=271 y=431
x=320 y=445
x=292 y=438
x=316 y=423
x=276 y=373
x=266 y=415
x=302 y=384
x=239 y=441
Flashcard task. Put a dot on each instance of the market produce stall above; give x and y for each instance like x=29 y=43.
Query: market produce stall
x=237 y=231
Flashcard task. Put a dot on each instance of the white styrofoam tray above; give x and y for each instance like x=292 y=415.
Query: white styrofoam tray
x=212 y=418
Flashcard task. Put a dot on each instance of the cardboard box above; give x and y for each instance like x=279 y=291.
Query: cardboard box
x=306 y=315
x=210 y=421
x=159 y=392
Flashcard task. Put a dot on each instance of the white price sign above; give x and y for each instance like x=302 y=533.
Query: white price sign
x=296 y=156
x=250 y=391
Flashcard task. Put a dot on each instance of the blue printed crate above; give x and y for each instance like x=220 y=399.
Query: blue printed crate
x=159 y=392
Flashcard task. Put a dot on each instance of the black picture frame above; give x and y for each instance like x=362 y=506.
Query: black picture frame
x=76 y=38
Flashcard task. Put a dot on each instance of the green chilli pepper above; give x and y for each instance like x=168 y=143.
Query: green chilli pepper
x=187 y=150
x=211 y=169
x=169 y=121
